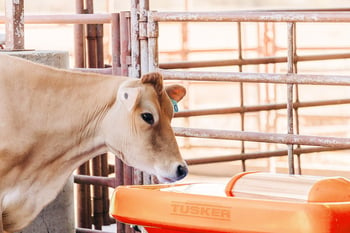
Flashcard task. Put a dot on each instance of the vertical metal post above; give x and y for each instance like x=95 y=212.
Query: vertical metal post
x=14 y=24
x=99 y=46
x=97 y=195
x=297 y=100
x=105 y=193
x=118 y=171
x=91 y=38
x=152 y=34
x=124 y=43
x=79 y=48
x=144 y=8
x=84 y=202
x=184 y=35
x=134 y=40
x=290 y=127
x=115 y=44
x=241 y=89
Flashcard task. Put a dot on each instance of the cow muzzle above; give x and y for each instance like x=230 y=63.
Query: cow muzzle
x=180 y=172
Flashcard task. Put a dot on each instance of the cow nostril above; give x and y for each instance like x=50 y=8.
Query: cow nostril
x=181 y=171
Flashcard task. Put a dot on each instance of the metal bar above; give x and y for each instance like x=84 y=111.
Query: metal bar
x=152 y=34
x=95 y=70
x=65 y=19
x=97 y=194
x=115 y=28
x=134 y=40
x=234 y=16
x=297 y=99
x=241 y=90
x=258 y=155
x=91 y=38
x=249 y=61
x=83 y=199
x=250 y=16
x=256 y=77
x=79 y=48
x=14 y=14
x=290 y=119
x=214 y=50
x=144 y=8
x=118 y=171
x=105 y=193
x=124 y=43
x=257 y=108
x=99 y=46
x=332 y=142
x=99 y=180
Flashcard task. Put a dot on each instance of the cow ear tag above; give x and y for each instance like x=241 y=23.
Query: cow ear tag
x=176 y=107
x=129 y=97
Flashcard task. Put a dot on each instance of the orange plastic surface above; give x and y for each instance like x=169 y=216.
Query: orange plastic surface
x=170 y=212
x=331 y=189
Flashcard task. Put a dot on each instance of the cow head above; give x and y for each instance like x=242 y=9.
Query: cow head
x=139 y=130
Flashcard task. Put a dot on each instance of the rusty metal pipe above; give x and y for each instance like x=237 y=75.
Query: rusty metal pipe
x=79 y=51
x=14 y=14
x=256 y=77
x=250 y=16
x=144 y=8
x=97 y=194
x=83 y=199
x=65 y=19
x=115 y=28
x=95 y=70
x=258 y=155
x=99 y=46
x=249 y=61
x=134 y=40
x=105 y=193
x=124 y=43
x=290 y=89
x=86 y=179
x=333 y=142
x=257 y=108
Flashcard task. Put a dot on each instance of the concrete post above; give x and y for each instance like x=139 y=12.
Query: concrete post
x=58 y=216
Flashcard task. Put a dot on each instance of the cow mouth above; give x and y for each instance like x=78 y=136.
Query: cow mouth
x=163 y=179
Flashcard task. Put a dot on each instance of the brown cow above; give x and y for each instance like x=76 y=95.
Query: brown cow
x=52 y=121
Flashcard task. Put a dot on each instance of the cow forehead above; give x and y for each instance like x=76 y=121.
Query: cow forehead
x=148 y=93
x=162 y=102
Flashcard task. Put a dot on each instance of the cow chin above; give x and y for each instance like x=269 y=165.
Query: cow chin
x=164 y=180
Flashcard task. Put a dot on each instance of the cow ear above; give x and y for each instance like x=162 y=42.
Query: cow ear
x=175 y=92
x=156 y=79
x=129 y=96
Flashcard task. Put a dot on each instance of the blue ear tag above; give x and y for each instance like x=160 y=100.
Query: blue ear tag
x=176 y=108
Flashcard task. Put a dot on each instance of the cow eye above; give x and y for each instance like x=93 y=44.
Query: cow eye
x=148 y=118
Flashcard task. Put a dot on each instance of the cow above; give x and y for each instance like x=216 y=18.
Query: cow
x=52 y=121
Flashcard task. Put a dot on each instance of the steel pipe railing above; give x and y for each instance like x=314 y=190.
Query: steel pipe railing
x=249 y=61
x=95 y=180
x=257 y=108
x=308 y=79
x=333 y=142
x=258 y=155
x=250 y=16
x=65 y=19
